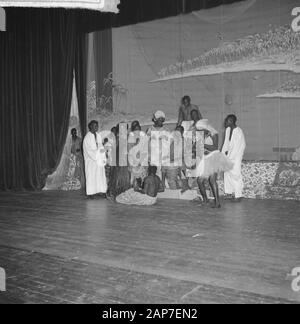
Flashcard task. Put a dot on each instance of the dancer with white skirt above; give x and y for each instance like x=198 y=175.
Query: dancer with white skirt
x=212 y=163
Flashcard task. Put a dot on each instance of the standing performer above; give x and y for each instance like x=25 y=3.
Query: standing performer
x=234 y=147
x=95 y=160
x=138 y=172
x=157 y=147
x=119 y=179
x=212 y=163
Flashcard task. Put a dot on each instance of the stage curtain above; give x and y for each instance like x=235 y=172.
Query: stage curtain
x=36 y=63
x=103 y=67
x=65 y=177
x=81 y=58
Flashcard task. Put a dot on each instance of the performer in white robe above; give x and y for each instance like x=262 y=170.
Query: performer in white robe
x=234 y=147
x=95 y=160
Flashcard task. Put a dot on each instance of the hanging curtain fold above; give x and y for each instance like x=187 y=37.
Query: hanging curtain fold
x=81 y=58
x=37 y=58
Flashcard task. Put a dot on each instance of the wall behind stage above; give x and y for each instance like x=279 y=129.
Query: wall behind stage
x=241 y=58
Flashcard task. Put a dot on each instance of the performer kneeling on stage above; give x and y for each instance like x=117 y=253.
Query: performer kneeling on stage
x=212 y=163
x=146 y=196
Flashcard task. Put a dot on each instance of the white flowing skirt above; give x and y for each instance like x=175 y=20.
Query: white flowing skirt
x=212 y=163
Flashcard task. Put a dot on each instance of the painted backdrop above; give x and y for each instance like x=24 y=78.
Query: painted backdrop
x=241 y=58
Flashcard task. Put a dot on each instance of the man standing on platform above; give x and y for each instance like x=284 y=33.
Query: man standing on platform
x=185 y=113
x=234 y=147
x=95 y=160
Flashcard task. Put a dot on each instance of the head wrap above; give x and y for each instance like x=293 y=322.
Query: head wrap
x=203 y=124
x=159 y=114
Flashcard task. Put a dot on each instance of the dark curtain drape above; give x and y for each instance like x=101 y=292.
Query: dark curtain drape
x=81 y=59
x=103 y=64
x=37 y=59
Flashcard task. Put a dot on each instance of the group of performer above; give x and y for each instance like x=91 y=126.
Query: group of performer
x=140 y=183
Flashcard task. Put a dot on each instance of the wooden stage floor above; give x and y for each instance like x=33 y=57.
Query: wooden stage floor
x=58 y=247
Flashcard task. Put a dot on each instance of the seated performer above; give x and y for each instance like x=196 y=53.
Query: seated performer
x=212 y=163
x=146 y=196
x=185 y=118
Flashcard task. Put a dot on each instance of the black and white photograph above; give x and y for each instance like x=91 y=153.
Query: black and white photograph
x=150 y=154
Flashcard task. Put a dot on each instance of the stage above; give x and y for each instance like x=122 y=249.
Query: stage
x=58 y=247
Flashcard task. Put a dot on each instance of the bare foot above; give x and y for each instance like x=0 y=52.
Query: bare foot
x=204 y=202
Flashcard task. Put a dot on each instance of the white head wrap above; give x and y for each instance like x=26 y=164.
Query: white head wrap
x=203 y=124
x=159 y=114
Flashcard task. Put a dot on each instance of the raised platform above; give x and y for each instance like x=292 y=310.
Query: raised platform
x=272 y=180
x=177 y=194
x=263 y=180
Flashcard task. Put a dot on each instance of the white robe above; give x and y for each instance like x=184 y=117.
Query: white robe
x=233 y=180
x=95 y=160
